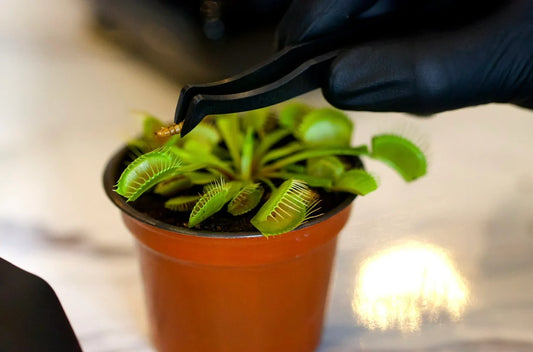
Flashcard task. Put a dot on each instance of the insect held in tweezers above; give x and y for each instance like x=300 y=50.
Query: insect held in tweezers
x=170 y=130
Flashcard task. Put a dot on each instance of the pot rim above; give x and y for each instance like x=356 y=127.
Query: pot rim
x=110 y=178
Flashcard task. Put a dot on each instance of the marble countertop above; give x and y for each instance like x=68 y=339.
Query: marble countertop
x=461 y=239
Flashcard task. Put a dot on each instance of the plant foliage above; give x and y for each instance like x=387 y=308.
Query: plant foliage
x=264 y=162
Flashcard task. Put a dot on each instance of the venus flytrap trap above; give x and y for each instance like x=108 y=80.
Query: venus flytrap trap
x=288 y=207
x=271 y=167
x=401 y=154
x=246 y=199
x=147 y=171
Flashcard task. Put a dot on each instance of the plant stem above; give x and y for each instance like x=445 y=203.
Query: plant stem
x=247 y=154
x=268 y=183
x=355 y=151
x=313 y=181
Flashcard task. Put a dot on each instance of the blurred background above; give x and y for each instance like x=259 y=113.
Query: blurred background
x=191 y=40
x=71 y=73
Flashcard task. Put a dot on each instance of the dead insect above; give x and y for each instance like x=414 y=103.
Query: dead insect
x=170 y=130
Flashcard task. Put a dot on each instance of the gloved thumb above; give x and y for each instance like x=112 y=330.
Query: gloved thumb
x=306 y=19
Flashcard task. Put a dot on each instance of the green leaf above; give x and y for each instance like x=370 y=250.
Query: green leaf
x=213 y=201
x=326 y=167
x=201 y=178
x=146 y=171
x=203 y=160
x=295 y=168
x=401 y=154
x=313 y=181
x=197 y=146
x=228 y=125
x=182 y=203
x=282 y=152
x=315 y=153
x=268 y=182
x=356 y=181
x=325 y=127
x=148 y=140
x=246 y=199
x=221 y=152
x=256 y=119
x=287 y=208
x=269 y=140
x=173 y=185
x=151 y=125
x=139 y=146
x=234 y=186
x=172 y=140
x=247 y=154
x=204 y=133
x=291 y=114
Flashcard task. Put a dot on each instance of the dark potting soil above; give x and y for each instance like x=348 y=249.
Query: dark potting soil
x=152 y=205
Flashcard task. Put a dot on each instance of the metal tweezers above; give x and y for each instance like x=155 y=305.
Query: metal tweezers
x=291 y=72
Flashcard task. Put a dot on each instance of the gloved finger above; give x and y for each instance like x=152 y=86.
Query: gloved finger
x=306 y=19
x=31 y=315
x=486 y=62
x=525 y=103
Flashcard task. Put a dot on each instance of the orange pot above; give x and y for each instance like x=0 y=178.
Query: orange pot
x=218 y=292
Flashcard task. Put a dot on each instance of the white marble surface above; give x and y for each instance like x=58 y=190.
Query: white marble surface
x=65 y=97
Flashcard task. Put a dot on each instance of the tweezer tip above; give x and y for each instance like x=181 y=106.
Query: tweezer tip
x=178 y=115
x=187 y=127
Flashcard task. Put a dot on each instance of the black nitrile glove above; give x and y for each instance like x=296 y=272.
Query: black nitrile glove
x=31 y=317
x=455 y=53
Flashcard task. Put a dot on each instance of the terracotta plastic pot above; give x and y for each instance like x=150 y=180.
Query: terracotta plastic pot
x=214 y=292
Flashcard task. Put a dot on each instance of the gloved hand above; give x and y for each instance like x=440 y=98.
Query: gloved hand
x=457 y=53
x=31 y=317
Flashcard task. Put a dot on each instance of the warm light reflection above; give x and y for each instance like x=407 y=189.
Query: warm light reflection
x=401 y=286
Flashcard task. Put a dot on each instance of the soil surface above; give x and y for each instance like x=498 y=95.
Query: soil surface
x=152 y=205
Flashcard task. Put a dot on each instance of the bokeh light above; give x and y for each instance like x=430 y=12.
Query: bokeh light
x=400 y=287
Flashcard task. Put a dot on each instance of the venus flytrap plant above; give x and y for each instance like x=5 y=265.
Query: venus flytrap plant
x=263 y=165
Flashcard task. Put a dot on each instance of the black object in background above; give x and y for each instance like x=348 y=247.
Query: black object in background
x=31 y=317
x=193 y=41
